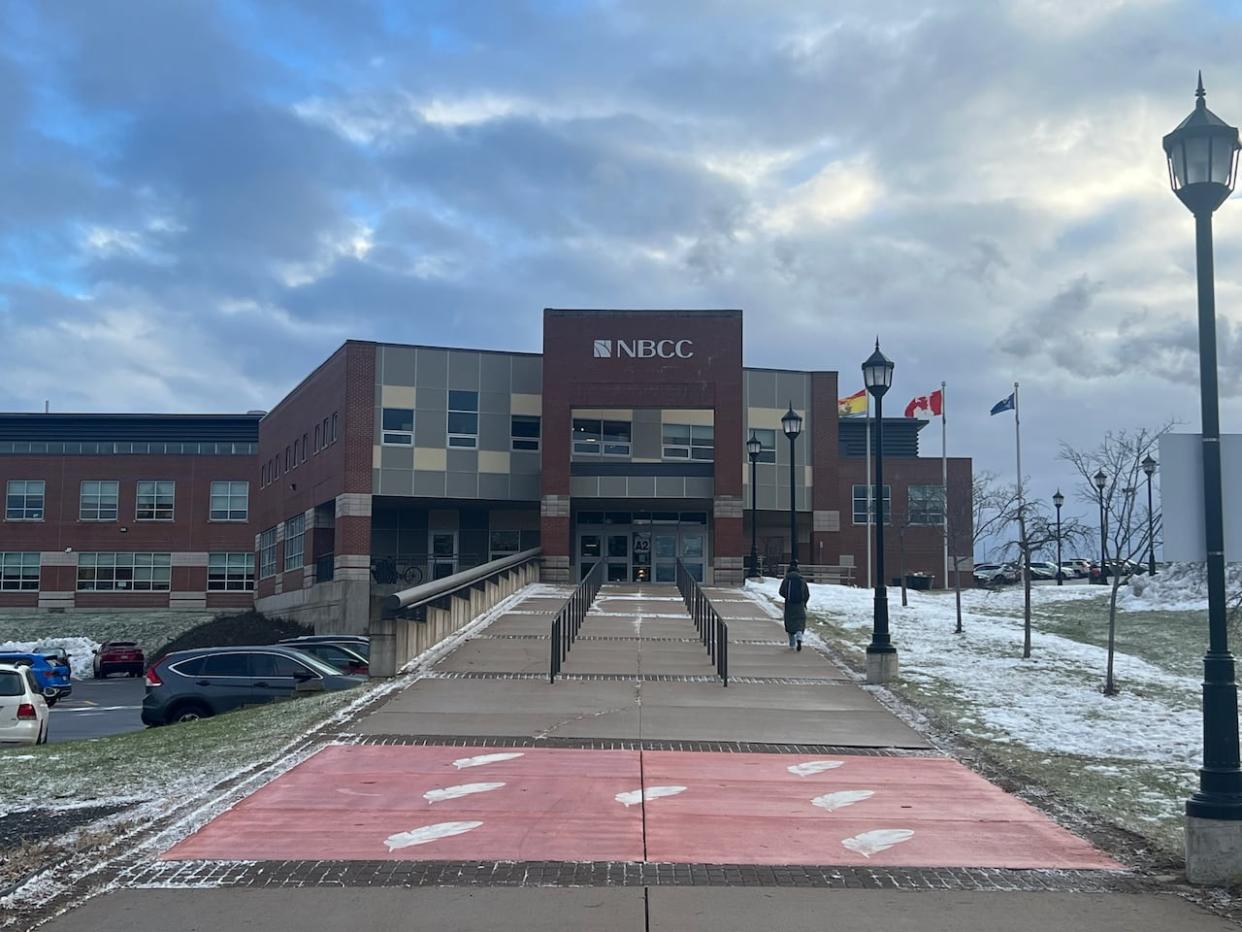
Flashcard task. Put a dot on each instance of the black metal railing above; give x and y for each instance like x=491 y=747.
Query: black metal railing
x=325 y=567
x=713 y=631
x=568 y=621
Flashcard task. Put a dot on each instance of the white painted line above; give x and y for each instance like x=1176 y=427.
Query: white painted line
x=456 y=792
x=839 y=800
x=877 y=840
x=814 y=766
x=428 y=833
x=100 y=708
x=634 y=797
x=484 y=759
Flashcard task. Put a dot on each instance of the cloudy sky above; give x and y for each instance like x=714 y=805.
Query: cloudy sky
x=199 y=201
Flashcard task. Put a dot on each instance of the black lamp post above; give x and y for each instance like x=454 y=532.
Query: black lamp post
x=753 y=449
x=1149 y=467
x=1101 y=480
x=881 y=654
x=1203 y=161
x=1058 y=500
x=791 y=423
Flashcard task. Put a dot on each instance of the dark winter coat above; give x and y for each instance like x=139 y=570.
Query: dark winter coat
x=795 y=592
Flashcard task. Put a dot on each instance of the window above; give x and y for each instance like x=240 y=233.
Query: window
x=398 y=427
x=317 y=438
x=230 y=501
x=334 y=428
x=155 y=500
x=689 y=442
x=463 y=419
x=19 y=572
x=287 y=450
x=226 y=665
x=926 y=504
x=860 y=505
x=267 y=553
x=97 y=500
x=325 y=434
x=504 y=544
x=525 y=429
x=767 y=444
x=230 y=572
x=263 y=476
x=278 y=665
x=295 y=538
x=124 y=572
x=304 y=445
x=297 y=453
x=25 y=500
x=609 y=438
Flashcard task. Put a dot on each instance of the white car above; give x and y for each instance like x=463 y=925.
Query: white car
x=23 y=710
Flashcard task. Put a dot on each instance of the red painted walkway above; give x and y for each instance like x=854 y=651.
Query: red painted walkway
x=435 y=803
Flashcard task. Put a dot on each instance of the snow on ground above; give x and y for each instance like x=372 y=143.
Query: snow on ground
x=1177 y=587
x=81 y=651
x=1050 y=703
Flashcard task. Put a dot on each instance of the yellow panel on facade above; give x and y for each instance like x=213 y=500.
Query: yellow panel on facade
x=397 y=396
x=377 y=456
x=766 y=418
x=430 y=458
x=699 y=416
x=493 y=461
x=520 y=403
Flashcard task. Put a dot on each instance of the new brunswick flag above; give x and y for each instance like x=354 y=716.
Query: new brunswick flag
x=854 y=405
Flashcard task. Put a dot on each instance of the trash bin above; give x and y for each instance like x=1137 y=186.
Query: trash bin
x=915 y=581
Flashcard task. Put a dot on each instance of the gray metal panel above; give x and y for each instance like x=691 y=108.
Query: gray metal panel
x=397 y=457
x=612 y=486
x=396 y=365
x=462 y=460
x=375 y=481
x=767 y=497
x=430 y=427
x=431 y=369
x=782 y=498
x=700 y=488
x=761 y=389
x=396 y=482
x=670 y=487
x=463 y=370
x=584 y=487
x=462 y=485
x=493 y=485
x=494 y=402
x=640 y=487
x=648 y=415
x=494 y=431
x=524 y=488
x=429 y=482
x=792 y=386
x=647 y=439
x=528 y=375
x=522 y=463
x=495 y=372
x=431 y=399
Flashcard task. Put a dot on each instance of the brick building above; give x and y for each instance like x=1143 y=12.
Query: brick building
x=622 y=442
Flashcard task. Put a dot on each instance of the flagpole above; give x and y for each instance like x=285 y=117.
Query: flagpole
x=944 y=471
x=1017 y=432
x=869 y=491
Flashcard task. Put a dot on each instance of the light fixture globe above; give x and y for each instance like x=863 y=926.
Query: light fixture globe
x=1149 y=465
x=1203 y=157
x=791 y=423
x=1101 y=480
x=877 y=372
x=753 y=447
x=1058 y=499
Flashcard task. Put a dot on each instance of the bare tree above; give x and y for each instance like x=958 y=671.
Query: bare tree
x=1116 y=464
x=992 y=510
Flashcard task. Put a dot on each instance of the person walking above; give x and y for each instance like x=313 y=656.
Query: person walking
x=796 y=594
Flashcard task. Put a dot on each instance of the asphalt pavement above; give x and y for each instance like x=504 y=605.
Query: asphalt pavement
x=98 y=708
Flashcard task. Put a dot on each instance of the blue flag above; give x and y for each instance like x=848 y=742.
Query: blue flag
x=1005 y=405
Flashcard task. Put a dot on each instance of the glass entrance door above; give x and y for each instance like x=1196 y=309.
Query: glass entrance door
x=642 y=546
x=443 y=554
x=618 y=556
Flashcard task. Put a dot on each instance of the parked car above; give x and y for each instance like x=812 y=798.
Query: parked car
x=54 y=682
x=339 y=656
x=1125 y=567
x=995 y=574
x=57 y=656
x=191 y=684
x=118 y=657
x=1078 y=568
x=23 y=710
x=1044 y=569
x=358 y=643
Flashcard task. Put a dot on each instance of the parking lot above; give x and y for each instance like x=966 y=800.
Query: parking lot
x=98 y=708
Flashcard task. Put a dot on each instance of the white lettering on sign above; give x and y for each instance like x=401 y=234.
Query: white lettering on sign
x=643 y=349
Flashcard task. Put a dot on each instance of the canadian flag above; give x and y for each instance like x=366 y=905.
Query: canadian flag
x=933 y=403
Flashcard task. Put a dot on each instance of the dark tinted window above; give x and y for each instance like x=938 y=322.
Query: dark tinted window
x=191 y=667
x=227 y=665
x=276 y=665
x=11 y=684
x=121 y=644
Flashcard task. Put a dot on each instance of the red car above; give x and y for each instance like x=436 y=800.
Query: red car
x=118 y=657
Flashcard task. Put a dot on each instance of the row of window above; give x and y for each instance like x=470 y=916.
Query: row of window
x=461 y=425
x=295 y=547
x=924 y=505
x=129 y=572
x=324 y=435
x=99 y=500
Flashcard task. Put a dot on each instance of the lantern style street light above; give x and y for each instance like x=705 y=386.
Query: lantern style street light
x=1058 y=500
x=1149 y=467
x=791 y=424
x=1101 y=480
x=881 y=654
x=753 y=449
x=1202 y=155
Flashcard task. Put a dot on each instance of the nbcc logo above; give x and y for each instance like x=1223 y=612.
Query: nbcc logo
x=644 y=349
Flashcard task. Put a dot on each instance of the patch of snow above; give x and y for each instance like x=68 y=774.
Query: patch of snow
x=456 y=792
x=482 y=760
x=634 y=797
x=81 y=651
x=814 y=766
x=429 y=833
x=877 y=840
x=1177 y=587
x=840 y=799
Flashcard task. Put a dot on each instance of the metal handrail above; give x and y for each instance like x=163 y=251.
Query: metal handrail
x=417 y=596
x=713 y=631
x=568 y=621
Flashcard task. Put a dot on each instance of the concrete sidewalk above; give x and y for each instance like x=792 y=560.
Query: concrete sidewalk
x=635 y=793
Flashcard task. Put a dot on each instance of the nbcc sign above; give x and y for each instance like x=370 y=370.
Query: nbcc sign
x=644 y=349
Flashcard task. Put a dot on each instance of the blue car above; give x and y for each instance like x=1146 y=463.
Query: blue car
x=52 y=677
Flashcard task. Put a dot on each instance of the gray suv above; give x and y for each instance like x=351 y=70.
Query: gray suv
x=191 y=684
